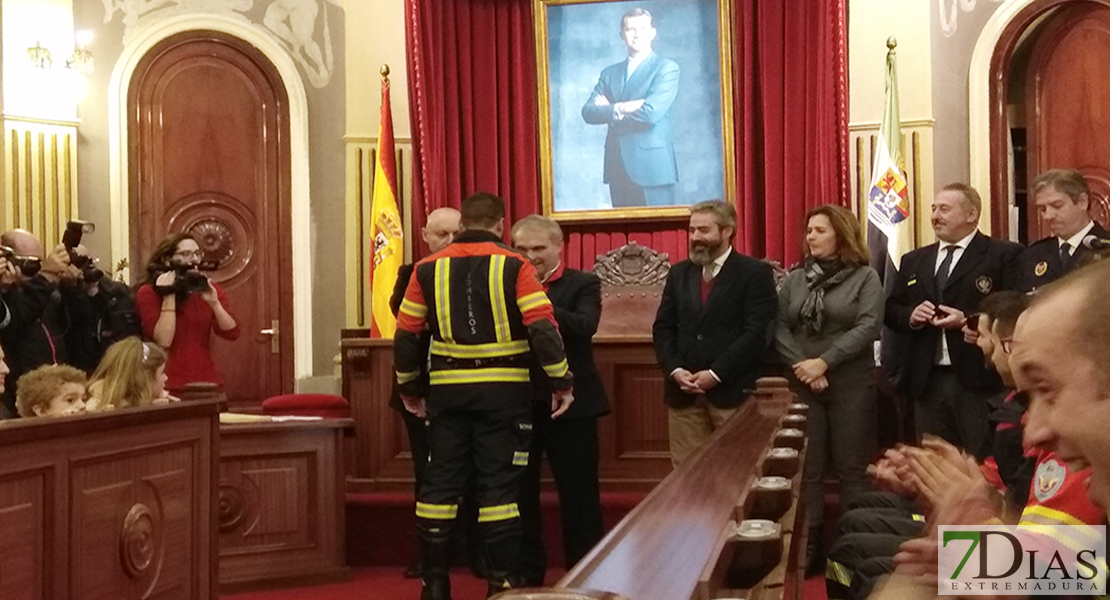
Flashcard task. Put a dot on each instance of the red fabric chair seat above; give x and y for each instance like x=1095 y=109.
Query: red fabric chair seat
x=308 y=405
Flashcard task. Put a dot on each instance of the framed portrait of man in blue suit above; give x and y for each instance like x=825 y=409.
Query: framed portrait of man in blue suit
x=635 y=106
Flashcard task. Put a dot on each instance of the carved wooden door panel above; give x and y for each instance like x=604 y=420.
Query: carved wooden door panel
x=1067 y=100
x=209 y=147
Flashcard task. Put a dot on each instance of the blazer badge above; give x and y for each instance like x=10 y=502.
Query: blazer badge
x=984 y=284
x=1040 y=269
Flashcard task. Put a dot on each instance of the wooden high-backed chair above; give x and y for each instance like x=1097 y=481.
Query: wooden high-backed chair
x=632 y=279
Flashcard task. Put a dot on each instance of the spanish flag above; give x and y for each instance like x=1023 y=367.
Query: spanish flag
x=385 y=226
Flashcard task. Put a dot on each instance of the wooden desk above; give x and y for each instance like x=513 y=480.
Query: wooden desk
x=634 y=454
x=281 y=503
x=115 y=505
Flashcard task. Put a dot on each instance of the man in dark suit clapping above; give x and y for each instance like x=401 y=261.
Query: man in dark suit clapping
x=712 y=328
x=937 y=287
x=570 y=441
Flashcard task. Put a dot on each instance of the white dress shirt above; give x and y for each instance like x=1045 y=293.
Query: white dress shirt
x=957 y=252
x=708 y=272
x=633 y=62
x=1076 y=240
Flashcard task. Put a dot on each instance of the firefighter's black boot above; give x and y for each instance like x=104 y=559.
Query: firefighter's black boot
x=502 y=546
x=434 y=539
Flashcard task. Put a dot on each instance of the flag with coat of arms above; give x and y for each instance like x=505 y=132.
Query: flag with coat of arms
x=386 y=231
x=890 y=229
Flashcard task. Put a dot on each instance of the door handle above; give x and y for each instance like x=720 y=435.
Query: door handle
x=275 y=336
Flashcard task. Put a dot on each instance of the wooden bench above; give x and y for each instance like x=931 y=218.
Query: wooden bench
x=681 y=542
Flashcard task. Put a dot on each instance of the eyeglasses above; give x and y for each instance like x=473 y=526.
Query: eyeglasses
x=189 y=253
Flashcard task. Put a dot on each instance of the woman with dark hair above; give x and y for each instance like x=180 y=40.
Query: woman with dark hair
x=180 y=320
x=830 y=314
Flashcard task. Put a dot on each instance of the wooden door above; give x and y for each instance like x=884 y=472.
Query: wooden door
x=209 y=148
x=1068 y=103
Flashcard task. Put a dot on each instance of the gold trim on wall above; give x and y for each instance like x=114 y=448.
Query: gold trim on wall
x=547 y=178
x=40 y=175
x=918 y=154
x=361 y=154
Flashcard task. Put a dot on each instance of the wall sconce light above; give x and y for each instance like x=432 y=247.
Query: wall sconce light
x=82 y=59
x=40 y=57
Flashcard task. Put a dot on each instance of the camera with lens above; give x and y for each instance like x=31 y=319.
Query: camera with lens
x=28 y=265
x=71 y=239
x=188 y=278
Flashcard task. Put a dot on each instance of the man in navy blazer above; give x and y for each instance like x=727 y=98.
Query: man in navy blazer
x=937 y=288
x=634 y=97
x=712 y=329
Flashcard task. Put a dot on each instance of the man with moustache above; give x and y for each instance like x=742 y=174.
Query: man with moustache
x=712 y=328
x=441 y=228
x=570 y=442
x=1062 y=198
x=937 y=287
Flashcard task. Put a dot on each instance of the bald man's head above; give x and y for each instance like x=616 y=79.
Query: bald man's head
x=442 y=226
x=23 y=242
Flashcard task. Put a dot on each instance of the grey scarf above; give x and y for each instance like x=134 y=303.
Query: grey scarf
x=820 y=275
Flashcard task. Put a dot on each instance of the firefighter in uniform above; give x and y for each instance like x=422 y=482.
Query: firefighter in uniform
x=488 y=316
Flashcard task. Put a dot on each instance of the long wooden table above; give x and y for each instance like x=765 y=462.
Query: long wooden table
x=110 y=505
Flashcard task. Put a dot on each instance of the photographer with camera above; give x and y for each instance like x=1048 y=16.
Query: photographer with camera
x=35 y=318
x=180 y=308
x=101 y=312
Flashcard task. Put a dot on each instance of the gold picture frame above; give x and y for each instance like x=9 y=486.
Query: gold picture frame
x=574 y=21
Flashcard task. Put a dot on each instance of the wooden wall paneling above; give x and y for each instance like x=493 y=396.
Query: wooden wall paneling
x=281 y=502
x=119 y=505
x=25 y=507
x=381 y=461
x=917 y=156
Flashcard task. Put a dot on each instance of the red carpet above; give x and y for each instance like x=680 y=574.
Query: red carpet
x=380 y=583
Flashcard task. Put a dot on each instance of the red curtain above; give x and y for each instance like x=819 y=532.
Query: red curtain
x=472 y=97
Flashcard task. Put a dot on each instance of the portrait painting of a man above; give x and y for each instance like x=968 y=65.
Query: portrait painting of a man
x=631 y=96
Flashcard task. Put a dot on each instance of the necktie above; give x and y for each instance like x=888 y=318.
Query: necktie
x=707 y=272
x=942 y=272
x=1065 y=254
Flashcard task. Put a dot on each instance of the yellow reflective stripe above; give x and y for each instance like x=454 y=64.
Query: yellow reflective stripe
x=502 y=512
x=838 y=573
x=520 y=459
x=497 y=297
x=920 y=518
x=443 y=298
x=407 y=376
x=442 y=512
x=413 y=309
x=1050 y=516
x=557 y=370
x=531 y=301
x=493 y=350
x=493 y=375
x=1050 y=531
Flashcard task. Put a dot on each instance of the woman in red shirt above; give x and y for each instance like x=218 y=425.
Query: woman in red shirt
x=182 y=322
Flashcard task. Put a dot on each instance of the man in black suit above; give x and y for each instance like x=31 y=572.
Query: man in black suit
x=1063 y=199
x=570 y=441
x=438 y=232
x=712 y=328
x=937 y=287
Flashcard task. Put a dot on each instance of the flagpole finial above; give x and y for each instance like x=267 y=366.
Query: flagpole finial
x=891 y=42
x=385 y=69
